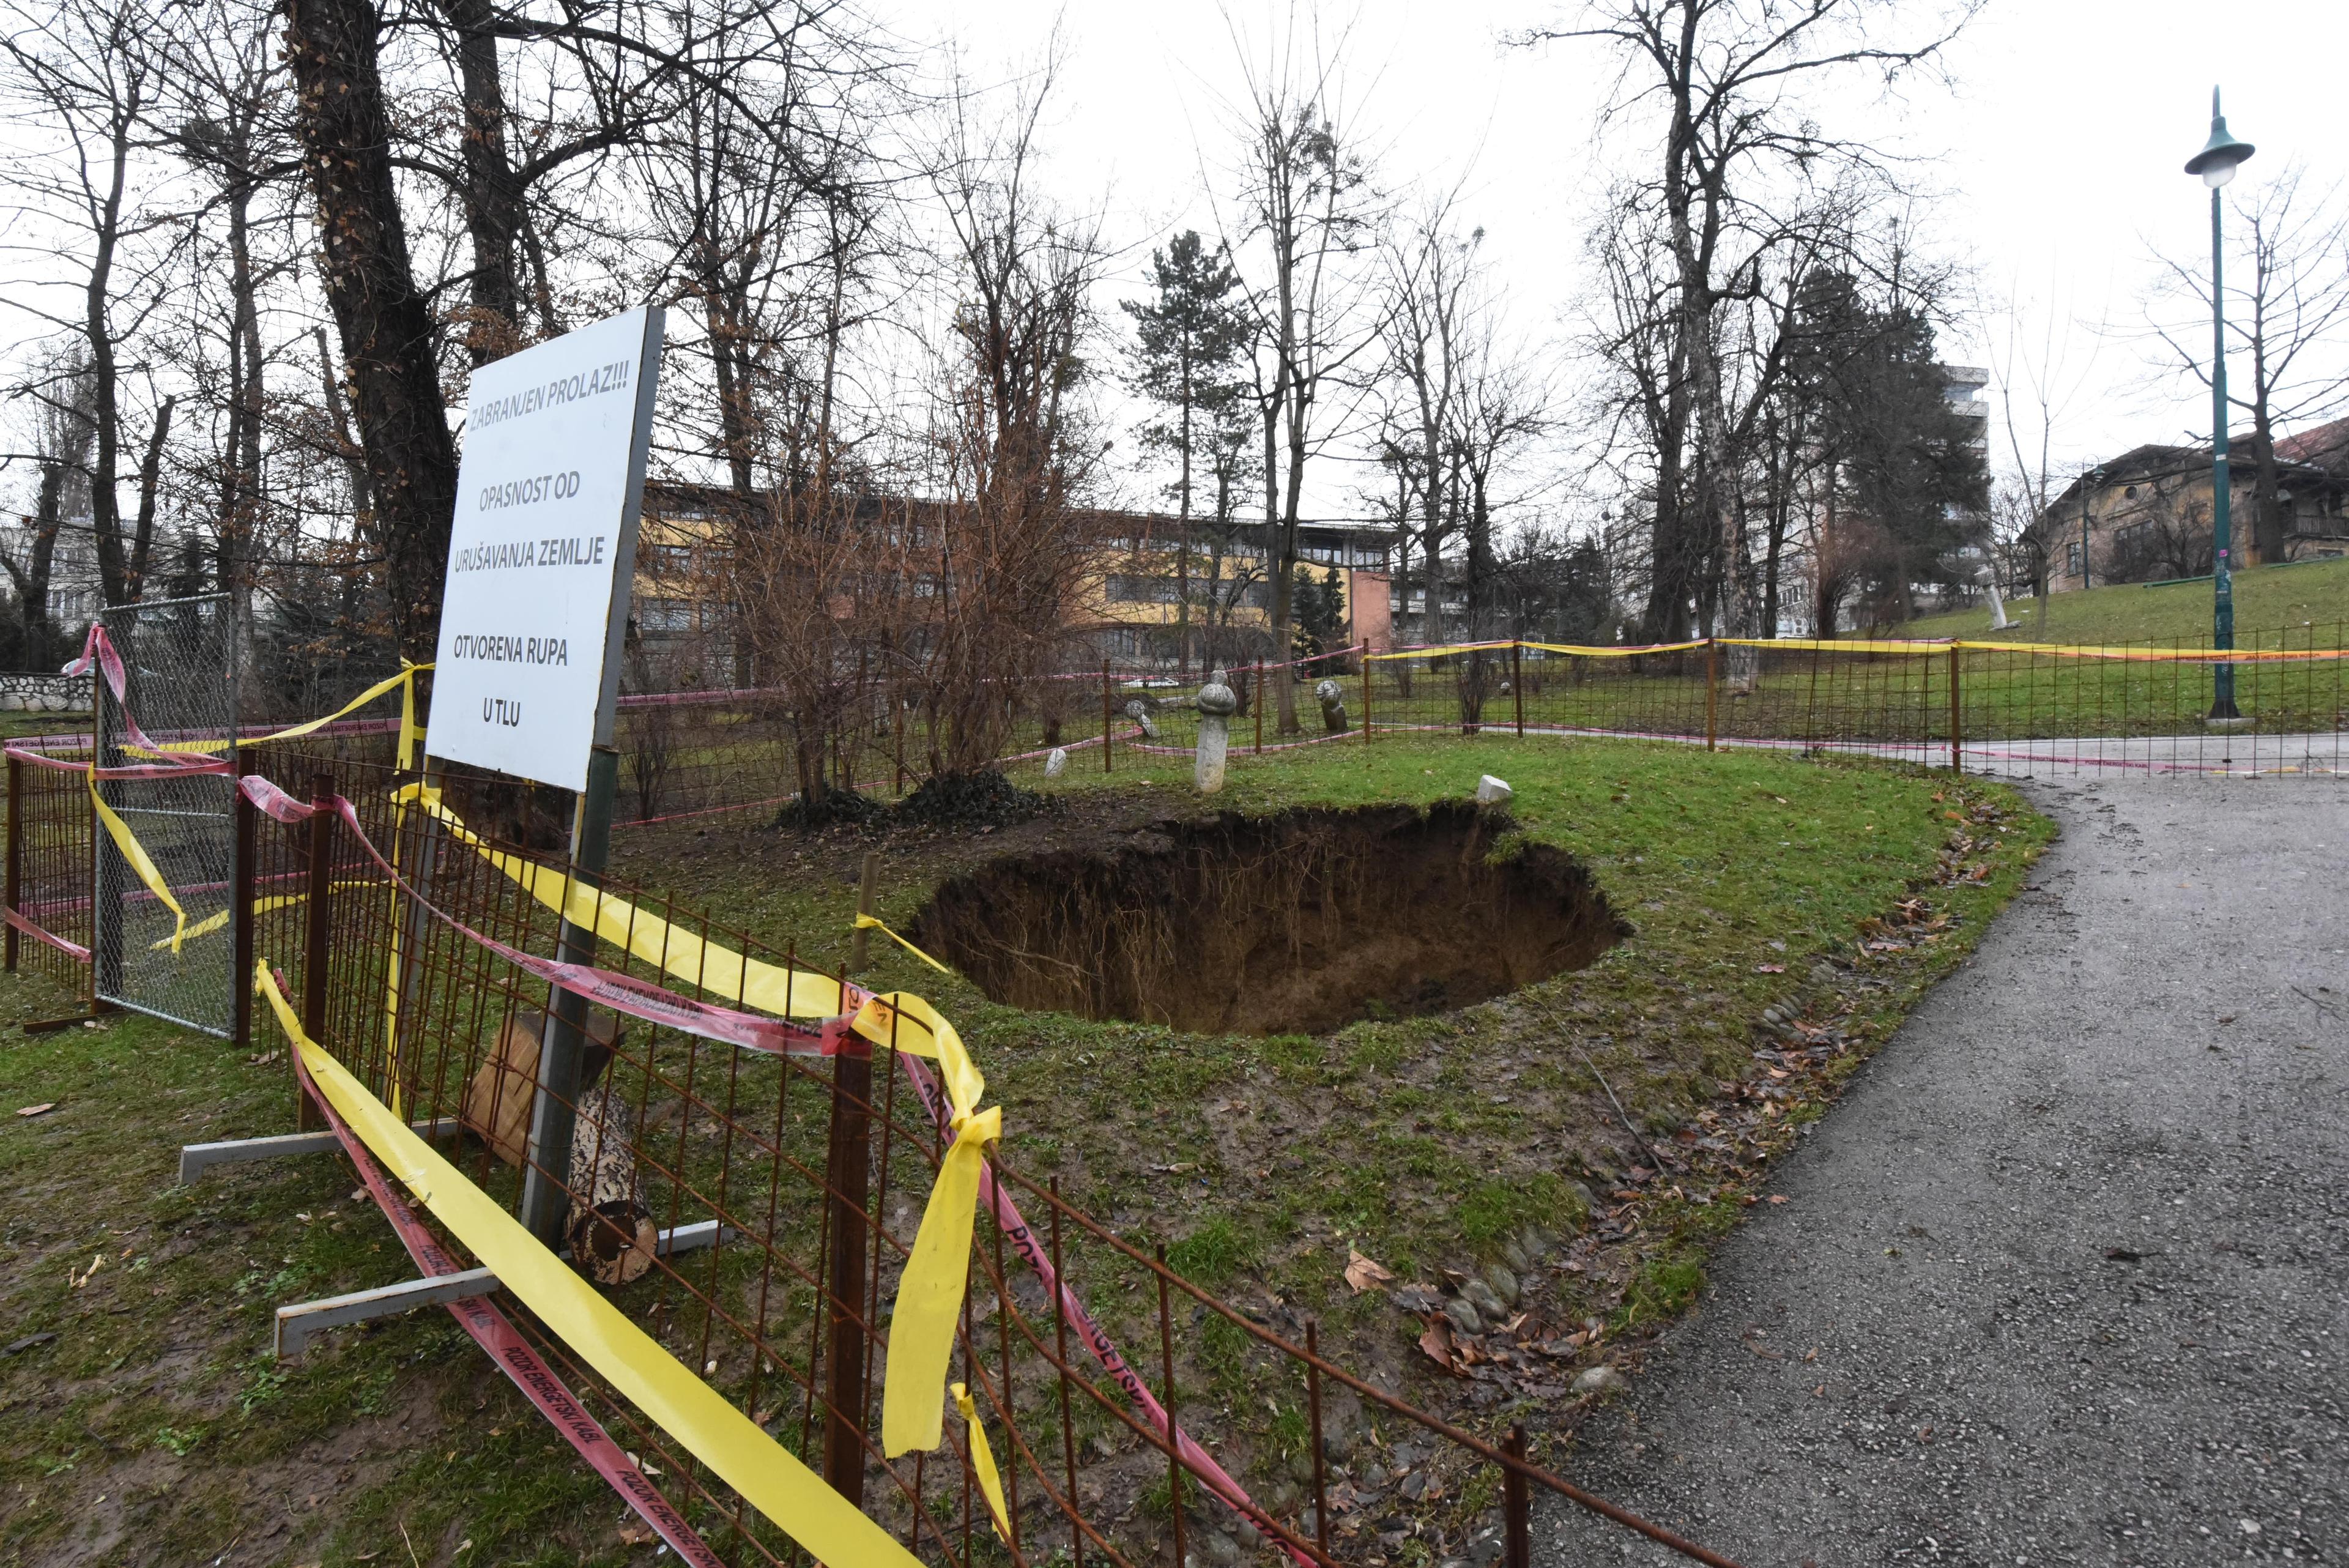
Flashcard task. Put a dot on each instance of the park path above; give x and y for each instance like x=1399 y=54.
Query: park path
x=2065 y=1278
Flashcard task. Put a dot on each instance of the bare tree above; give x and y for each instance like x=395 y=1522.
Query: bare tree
x=1302 y=213
x=2037 y=384
x=389 y=336
x=1014 y=439
x=83 y=77
x=2287 y=303
x=1720 y=85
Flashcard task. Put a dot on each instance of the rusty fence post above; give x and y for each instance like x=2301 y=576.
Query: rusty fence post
x=1367 y=668
x=1109 y=707
x=1068 y=1428
x=1517 y=1548
x=1711 y=693
x=240 y=954
x=1320 y=1461
x=1957 y=723
x=1517 y=683
x=317 y=948
x=846 y=1167
x=1256 y=704
x=1166 y=1396
x=14 y=894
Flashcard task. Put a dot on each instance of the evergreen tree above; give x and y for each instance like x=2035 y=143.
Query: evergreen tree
x=1318 y=611
x=1909 y=484
x=1192 y=338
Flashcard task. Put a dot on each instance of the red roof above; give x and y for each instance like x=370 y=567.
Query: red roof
x=2326 y=446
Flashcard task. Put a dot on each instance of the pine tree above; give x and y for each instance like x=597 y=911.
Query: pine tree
x=1191 y=340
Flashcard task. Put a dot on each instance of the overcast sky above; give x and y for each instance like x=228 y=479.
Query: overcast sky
x=2058 y=147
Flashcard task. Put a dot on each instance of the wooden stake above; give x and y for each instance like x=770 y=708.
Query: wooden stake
x=857 y=947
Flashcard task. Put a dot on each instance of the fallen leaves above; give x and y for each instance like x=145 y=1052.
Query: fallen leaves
x=84 y=1276
x=637 y=1532
x=1365 y=1273
x=1436 y=1340
x=40 y=1110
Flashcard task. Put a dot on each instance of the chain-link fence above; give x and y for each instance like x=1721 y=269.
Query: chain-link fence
x=181 y=690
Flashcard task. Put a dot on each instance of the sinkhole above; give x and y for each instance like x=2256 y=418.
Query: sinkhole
x=1296 y=922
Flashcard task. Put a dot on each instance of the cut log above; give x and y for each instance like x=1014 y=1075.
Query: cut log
x=611 y=1230
x=498 y=1100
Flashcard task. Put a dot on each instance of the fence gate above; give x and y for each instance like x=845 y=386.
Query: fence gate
x=177 y=658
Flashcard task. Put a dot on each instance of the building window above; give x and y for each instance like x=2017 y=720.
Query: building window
x=1128 y=589
x=2072 y=558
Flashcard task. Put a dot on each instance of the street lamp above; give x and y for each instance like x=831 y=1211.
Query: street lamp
x=2216 y=163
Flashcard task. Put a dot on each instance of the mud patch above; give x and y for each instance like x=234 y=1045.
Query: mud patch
x=1294 y=923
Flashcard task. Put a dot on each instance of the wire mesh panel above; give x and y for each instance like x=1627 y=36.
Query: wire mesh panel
x=51 y=833
x=180 y=689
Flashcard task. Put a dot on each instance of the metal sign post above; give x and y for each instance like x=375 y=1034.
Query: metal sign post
x=533 y=625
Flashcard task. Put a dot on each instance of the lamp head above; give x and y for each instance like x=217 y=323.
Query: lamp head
x=2217 y=161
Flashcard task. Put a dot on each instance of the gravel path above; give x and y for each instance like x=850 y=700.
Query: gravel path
x=2065 y=1279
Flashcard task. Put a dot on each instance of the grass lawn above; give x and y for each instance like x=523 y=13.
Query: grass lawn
x=1753 y=881
x=154 y=1426
x=2287 y=602
x=150 y=1423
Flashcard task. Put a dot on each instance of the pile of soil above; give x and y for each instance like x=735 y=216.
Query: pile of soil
x=972 y=800
x=1299 y=923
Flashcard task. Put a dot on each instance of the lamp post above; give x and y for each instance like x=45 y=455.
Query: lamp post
x=2216 y=163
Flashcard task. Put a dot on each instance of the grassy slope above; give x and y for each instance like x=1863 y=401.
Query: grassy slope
x=2314 y=596
x=156 y=1428
x=1424 y=1141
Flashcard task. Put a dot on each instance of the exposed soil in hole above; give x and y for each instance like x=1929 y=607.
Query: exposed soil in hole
x=1293 y=923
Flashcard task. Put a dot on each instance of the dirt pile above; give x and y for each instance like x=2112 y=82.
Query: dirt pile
x=1294 y=923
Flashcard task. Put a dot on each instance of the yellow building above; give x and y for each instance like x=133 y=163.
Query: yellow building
x=1128 y=605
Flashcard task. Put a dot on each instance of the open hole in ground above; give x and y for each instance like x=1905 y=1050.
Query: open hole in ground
x=1298 y=922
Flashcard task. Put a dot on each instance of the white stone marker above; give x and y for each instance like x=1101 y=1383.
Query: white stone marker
x=1216 y=702
x=1491 y=791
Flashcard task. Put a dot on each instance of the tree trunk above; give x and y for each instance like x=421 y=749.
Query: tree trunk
x=610 y=1231
x=2267 y=504
x=150 y=483
x=386 y=324
x=105 y=505
x=493 y=194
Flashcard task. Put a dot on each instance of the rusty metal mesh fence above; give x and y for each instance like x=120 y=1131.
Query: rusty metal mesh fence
x=754 y=1212
x=180 y=675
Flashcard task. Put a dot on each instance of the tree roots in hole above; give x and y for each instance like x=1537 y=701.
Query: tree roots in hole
x=1298 y=922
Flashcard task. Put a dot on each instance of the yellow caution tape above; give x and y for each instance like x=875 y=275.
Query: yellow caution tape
x=211 y=923
x=982 y=1459
x=1442 y=652
x=2164 y=655
x=1833 y=645
x=135 y=853
x=406 y=679
x=930 y=1292
x=766 y=1474
x=1615 y=652
x=867 y=923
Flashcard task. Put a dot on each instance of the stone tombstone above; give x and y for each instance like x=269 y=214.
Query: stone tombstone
x=1139 y=712
x=1217 y=703
x=1332 y=697
x=1057 y=763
